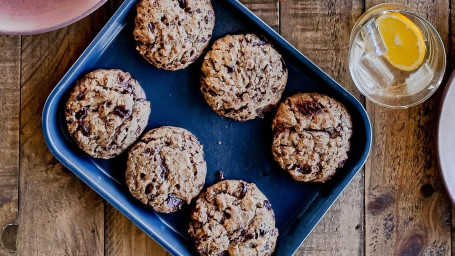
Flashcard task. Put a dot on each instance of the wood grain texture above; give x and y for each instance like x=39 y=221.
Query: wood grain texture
x=267 y=10
x=407 y=210
x=9 y=134
x=321 y=30
x=124 y=238
x=59 y=215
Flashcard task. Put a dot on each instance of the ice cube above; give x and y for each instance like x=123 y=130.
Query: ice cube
x=372 y=38
x=358 y=49
x=367 y=82
x=374 y=74
x=418 y=80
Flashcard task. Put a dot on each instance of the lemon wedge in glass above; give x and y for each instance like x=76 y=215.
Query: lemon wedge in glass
x=403 y=39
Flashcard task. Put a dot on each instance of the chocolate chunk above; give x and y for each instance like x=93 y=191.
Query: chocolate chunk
x=84 y=130
x=149 y=189
x=267 y=205
x=203 y=40
x=230 y=69
x=123 y=80
x=243 y=190
x=142 y=175
x=201 y=250
x=208 y=19
x=333 y=133
x=240 y=230
x=341 y=164
x=260 y=42
x=309 y=108
x=247 y=237
x=80 y=96
x=151 y=27
x=81 y=114
x=303 y=170
x=164 y=172
x=140 y=99
x=174 y=203
x=220 y=175
x=182 y=3
x=198 y=10
x=212 y=92
x=262 y=111
x=121 y=111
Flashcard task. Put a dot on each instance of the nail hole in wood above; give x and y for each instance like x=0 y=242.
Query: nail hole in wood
x=8 y=237
x=427 y=190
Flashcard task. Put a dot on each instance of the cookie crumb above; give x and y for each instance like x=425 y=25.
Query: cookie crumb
x=220 y=175
x=219 y=142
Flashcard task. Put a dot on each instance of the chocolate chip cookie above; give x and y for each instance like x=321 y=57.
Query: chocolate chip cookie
x=106 y=112
x=171 y=34
x=243 y=77
x=166 y=168
x=233 y=217
x=311 y=136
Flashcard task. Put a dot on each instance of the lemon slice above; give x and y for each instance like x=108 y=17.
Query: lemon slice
x=403 y=39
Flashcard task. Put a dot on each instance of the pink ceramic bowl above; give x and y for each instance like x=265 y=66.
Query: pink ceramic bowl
x=21 y=17
x=446 y=137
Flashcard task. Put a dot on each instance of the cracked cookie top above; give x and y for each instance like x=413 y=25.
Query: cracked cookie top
x=243 y=77
x=233 y=217
x=106 y=112
x=311 y=136
x=171 y=34
x=166 y=168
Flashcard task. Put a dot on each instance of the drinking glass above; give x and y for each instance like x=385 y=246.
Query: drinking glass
x=381 y=81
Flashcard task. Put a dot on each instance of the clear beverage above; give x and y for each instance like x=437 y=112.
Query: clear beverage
x=377 y=76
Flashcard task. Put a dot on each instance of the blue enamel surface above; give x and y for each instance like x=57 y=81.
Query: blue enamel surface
x=245 y=149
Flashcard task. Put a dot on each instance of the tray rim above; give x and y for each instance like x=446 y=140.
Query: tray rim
x=125 y=7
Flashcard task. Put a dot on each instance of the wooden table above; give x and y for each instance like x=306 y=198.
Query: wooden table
x=396 y=205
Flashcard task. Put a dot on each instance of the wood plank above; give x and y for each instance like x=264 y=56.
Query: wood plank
x=9 y=144
x=59 y=215
x=124 y=238
x=321 y=30
x=267 y=10
x=407 y=210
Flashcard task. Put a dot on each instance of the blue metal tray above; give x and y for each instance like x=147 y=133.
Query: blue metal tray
x=245 y=148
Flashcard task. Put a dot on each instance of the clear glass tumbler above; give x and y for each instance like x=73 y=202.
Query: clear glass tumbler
x=396 y=58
